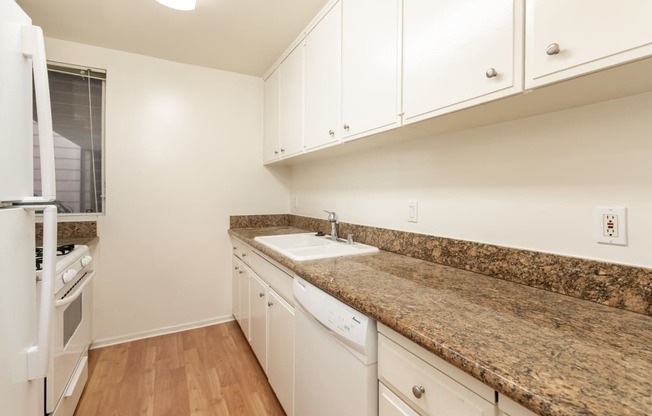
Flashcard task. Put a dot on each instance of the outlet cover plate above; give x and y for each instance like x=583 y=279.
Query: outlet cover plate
x=611 y=225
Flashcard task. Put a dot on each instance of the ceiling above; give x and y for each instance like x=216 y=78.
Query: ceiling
x=244 y=36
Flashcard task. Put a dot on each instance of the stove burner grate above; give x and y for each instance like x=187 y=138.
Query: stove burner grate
x=62 y=250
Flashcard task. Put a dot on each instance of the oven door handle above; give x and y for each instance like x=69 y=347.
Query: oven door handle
x=68 y=300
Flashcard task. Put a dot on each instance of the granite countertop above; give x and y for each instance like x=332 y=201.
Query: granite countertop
x=81 y=240
x=554 y=354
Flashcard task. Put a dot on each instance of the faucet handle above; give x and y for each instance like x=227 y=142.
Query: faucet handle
x=332 y=217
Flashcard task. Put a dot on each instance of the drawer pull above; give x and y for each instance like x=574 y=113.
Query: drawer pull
x=236 y=267
x=553 y=49
x=418 y=391
x=244 y=254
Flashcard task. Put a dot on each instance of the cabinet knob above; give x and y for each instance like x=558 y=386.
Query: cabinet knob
x=270 y=304
x=418 y=391
x=346 y=127
x=260 y=295
x=553 y=49
x=282 y=150
x=244 y=254
x=491 y=73
x=240 y=272
x=275 y=152
x=331 y=133
x=235 y=248
x=237 y=267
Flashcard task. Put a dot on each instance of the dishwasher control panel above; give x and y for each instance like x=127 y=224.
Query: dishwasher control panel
x=347 y=324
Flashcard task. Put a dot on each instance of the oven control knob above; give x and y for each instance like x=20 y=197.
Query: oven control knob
x=86 y=260
x=68 y=275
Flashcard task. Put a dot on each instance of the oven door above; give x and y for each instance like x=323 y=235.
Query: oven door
x=71 y=337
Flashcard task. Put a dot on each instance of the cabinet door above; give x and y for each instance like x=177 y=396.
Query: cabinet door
x=370 y=65
x=235 y=288
x=258 y=318
x=459 y=53
x=243 y=318
x=508 y=407
x=291 y=103
x=590 y=35
x=390 y=405
x=271 y=118
x=280 y=350
x=323 y=52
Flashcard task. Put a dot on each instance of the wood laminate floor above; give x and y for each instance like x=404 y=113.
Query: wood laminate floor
x=207 y=371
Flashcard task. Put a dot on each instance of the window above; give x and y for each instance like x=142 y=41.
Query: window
x=77 y=97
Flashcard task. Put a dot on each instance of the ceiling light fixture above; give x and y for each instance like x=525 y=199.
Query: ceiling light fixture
x=179 y=4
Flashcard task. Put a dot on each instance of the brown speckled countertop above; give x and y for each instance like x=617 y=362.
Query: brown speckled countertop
x=554 y=354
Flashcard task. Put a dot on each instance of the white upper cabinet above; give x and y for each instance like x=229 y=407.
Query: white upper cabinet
x=570 y=38
x=271 y=118
x=322 y=82
x=291 y=103
x=370 y=66
x=459 y=53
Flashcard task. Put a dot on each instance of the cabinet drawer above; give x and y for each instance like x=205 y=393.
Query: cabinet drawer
x=241 y=251
x=440 y=395
x=279 y=280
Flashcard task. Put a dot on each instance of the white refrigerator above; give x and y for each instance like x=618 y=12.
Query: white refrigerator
x=25 y=326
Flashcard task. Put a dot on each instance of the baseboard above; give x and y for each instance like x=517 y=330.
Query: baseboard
x=159 y=331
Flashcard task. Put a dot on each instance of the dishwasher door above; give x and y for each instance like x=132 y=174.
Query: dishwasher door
x=336 y=371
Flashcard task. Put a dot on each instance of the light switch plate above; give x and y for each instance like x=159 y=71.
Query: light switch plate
x=413 y=211
x=611 y=225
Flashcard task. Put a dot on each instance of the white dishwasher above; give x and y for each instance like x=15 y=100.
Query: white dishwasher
x=336 y=356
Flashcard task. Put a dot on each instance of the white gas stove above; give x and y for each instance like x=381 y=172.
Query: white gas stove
x=72 y=328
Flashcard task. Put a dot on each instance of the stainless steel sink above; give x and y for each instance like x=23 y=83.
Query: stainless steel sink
x=308 y=246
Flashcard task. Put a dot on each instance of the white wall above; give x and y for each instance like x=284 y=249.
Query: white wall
x=183 y=152
x=531 y=183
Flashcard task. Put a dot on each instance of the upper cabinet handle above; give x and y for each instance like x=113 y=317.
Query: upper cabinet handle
x=553 y=49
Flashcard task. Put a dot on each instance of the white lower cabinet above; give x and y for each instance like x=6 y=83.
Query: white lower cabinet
x=262 y=306
x=258 y=318
x=243 y=316
x=240 y=294
x=280 y=349
x=427 y=383
x=508 y=407
x=235 y=289
x=390 y=404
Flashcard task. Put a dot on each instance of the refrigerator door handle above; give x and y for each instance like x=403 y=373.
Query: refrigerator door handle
x=38 y=356
x=34 y=48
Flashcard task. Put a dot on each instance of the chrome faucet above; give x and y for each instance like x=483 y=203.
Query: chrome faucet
x=332 y=218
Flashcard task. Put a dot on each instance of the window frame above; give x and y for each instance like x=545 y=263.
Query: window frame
x=95 y=73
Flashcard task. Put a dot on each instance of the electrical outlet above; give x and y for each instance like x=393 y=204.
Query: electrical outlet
x=611 y=225
x=413 y=214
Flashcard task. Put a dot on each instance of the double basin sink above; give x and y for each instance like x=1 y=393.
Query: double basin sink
x=309 y=246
